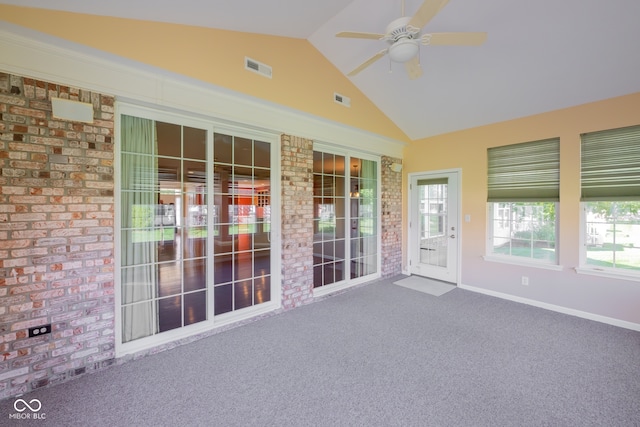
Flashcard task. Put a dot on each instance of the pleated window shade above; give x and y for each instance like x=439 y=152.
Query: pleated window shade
x=610 y=165
x=525 y=172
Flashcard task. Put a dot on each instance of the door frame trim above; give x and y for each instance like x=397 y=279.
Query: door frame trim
x=411 y=205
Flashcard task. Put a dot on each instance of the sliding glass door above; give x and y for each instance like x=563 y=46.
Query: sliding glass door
x=195 y=221
x=163 y=275
x=346 y=206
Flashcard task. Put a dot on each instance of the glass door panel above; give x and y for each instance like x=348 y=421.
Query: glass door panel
x=163 y=221
x=242 y=212
x=345 y=217
x=433 y=222
x=329 y=202
x=364 y=217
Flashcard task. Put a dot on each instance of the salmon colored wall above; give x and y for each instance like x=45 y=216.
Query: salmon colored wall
x=303 y=79
x=467 y=150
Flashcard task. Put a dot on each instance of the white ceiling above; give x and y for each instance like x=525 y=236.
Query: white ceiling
x=540 y=55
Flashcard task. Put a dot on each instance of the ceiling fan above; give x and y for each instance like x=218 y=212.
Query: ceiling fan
x=404 y=38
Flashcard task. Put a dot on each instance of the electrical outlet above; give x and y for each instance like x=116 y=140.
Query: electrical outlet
x=525 y=281
x=40 y=330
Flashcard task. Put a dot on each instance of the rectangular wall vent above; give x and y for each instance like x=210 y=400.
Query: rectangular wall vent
x=75 y=111
x=257 y=67
x=341 y=99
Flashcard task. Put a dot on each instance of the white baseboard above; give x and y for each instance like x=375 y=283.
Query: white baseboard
x=557 y=308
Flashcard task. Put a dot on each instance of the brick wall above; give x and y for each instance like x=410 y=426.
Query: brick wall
x=297 y=221
x=56 y=236
x=391 y=218
x=57 y=231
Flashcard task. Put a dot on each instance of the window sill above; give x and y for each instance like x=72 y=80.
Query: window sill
x=523 y=262
x=610 y=273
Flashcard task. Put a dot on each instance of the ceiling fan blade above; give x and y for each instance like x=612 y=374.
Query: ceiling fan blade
x=414 y=70
x=368 y=62
x=426 y=12
x=454 y=39
x=357 y=35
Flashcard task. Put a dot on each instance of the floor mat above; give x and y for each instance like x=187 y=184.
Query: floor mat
x=423 y=284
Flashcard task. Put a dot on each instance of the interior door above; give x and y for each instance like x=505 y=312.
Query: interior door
x=433 y=228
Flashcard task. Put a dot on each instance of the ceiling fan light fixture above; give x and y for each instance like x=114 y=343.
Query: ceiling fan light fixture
x=403 y=50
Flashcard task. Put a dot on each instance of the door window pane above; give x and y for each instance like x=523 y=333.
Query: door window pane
x=243 y=294
x=169 y=137
x=195 y=307
x=195 y=143
x=223 y=299
x=170 y=313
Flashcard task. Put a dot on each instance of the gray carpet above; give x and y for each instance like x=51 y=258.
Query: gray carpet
x=378 y=355
x=423 y=284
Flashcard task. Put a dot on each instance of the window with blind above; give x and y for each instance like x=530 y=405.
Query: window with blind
x=523 y=193
x=610 y=195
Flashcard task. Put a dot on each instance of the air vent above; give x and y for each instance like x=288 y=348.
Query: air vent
x=75 y=111
x=257 y=67
x=341 y=99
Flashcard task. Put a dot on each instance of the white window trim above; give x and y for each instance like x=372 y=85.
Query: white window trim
x=523 y=262
x=610 y=273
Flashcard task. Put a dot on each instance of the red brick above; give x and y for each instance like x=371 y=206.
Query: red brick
x=28 y=288
x=6 y=189
x=28 y=217
x=46 y=295
x=21 y=308
x=28 y=200
x=14 y=244
x=28 y=324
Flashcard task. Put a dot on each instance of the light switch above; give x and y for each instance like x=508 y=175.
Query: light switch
x=467 y=218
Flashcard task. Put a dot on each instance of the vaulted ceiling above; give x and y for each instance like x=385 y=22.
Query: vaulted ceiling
x=539 y=55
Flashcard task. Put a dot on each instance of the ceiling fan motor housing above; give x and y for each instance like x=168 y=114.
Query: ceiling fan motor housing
x=403 y=39
x=398 y=29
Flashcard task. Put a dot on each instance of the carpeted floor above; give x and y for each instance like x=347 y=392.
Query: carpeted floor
x=378 y=355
